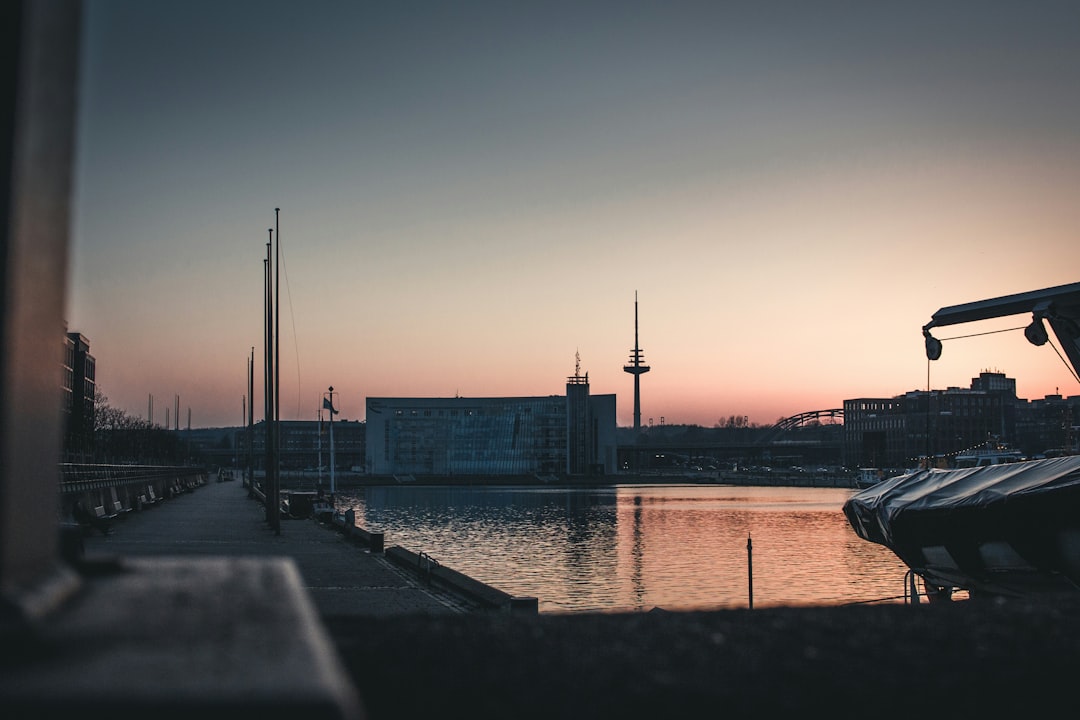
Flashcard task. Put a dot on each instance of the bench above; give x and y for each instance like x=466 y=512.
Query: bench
x=149 y=498
x=115 y=505
x=96 y=519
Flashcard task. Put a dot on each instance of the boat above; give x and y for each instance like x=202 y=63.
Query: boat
x=868 y=477
x=1003 y=526
x=1005 y=529
x=992 y=452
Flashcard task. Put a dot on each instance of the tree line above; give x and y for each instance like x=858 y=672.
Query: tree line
x=122 y=438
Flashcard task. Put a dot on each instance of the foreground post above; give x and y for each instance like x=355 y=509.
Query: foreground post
x=38 y=79
x=750 y=568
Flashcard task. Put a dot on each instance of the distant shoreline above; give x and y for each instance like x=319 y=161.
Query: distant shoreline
x=347 y=481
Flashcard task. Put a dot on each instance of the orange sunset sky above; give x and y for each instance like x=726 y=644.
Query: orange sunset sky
x=472 y=193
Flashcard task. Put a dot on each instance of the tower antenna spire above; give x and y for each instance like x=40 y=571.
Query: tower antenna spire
x=637 y=368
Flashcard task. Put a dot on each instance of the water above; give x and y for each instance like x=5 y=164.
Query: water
x=634 y=547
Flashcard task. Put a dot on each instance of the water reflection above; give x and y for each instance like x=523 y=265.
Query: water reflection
x=638 y=547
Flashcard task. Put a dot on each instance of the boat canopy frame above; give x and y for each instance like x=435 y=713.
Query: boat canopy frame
x=1059 y=306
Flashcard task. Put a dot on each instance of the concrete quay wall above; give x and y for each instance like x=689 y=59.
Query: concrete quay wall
x=482 y=594
x=432 y=572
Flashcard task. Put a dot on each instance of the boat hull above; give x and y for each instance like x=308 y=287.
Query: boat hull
x=1009 y=529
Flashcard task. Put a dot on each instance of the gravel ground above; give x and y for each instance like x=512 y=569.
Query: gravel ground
x=970 y=658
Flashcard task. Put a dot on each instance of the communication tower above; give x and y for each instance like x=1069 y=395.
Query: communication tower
x=636 y=368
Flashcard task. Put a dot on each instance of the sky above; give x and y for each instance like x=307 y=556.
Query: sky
x=471 y=196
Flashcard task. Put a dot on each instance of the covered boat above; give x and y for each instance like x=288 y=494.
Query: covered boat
x=1009 y=529
x=1000 y=529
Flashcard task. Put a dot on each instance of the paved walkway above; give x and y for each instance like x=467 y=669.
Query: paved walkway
x=219 y=518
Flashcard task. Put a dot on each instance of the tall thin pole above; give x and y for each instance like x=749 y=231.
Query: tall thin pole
x=277 y=372
x=320 y=442
x=251 y=419
x=927 y=465
x=750 y=568
x=333 y=489
x=272 y=507
x=266 y=375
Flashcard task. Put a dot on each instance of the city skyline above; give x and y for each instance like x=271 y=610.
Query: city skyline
x=472 y=195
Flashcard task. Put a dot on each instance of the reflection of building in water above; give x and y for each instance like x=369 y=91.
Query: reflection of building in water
x=637 y=556
x=572 y=434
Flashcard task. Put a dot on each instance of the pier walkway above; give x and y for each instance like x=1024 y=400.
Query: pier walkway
x=219 y=518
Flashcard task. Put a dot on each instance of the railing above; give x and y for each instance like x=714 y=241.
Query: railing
x=79 y=478
x=426 y=564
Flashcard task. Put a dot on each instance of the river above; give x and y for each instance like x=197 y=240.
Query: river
x=640 y=547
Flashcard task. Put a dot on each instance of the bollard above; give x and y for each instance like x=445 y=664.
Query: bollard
x=524 y=605
x=375 y=541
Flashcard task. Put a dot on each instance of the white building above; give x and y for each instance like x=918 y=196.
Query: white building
x=571 y=434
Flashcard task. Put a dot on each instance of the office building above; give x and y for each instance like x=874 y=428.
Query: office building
x=555 y=435
x=901 y=431
x=79 y=389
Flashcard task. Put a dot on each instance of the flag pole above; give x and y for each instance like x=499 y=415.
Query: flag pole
x=333 y=489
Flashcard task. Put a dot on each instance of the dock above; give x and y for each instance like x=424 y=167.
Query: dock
x=342 y=578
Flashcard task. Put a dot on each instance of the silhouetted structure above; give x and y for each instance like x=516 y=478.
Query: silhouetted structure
x=636 y=368
x=898 y=432
x=583 y=434
x=547 y=435
x=79 y=389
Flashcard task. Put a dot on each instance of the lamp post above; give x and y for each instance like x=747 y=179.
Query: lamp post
x=319 y=466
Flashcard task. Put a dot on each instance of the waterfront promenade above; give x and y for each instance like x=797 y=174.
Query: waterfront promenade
x=411 y=654
x=219 y=518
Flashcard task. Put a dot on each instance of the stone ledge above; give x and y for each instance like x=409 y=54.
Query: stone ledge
x=179 y=636
x=483 y=594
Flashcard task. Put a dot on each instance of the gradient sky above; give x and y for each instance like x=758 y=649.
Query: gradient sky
x=471 y=193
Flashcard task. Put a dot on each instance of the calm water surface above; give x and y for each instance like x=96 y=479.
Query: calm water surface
x=635 y=547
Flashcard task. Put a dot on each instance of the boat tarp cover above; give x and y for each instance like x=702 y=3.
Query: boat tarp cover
x=875 y=512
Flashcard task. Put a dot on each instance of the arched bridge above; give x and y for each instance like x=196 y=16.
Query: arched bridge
x=796 y=422
x=815 y=436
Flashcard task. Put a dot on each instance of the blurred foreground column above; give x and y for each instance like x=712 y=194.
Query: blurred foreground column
x=39 y=50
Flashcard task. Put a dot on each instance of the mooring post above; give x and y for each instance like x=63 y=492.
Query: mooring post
x=750 y=568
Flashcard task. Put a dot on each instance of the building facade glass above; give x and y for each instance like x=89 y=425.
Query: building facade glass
x=473 y=436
